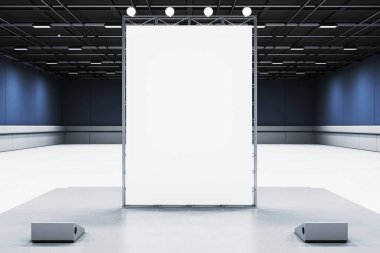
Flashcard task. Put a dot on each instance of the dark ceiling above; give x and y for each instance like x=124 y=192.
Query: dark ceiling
x=292 y=43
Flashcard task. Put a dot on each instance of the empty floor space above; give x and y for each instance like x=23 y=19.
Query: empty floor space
x=350 y=173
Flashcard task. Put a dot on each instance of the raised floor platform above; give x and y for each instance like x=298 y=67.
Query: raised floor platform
x=109 y=228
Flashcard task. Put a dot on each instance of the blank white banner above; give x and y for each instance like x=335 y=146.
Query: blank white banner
x=189 y=115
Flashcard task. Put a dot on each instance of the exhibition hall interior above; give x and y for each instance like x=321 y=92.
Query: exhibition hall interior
x=189 y=126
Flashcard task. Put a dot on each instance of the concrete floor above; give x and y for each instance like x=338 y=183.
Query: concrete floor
x=267 y=229
x=30 y=178
x=26 y=174
x=352 y=174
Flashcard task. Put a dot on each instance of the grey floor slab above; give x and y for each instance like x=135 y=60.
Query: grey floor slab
x=110 y=228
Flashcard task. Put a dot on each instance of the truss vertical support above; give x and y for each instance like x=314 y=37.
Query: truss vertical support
x=124 y=104
x=255 y=108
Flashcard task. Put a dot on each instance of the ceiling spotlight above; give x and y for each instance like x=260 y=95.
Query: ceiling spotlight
x=297 y=49
x=131 y=11
x=59 y=35
x=208 y=11
x=169 y=11
x=20 y=49
x=320 y=63
x=246 y=11
x=75 y=49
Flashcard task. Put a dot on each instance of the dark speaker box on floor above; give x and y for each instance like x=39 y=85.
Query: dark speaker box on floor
x=56 y=231
x=323 y=231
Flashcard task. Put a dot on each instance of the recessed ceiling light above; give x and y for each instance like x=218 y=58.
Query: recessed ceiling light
x=20 y=49
x=112 y=26
x=328 y=26
x=350 y=49
x=297 y=48
x=96 y=63
x=75 y=49
x=320 y=63
x=51 y=63
x=277 y=63
x=41 y=26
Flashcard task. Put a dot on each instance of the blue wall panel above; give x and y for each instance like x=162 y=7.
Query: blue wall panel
x=92 y=103
x=286 y=103
x=53 y=97
x=335 y=101
x=350 y=107
x=2 y=93
x=98 y=102
x=299 y=103
x=41 y=101
x=106 y=107
x=48 y=92
x=364 y=77
x=377 y=92
x=350 y=96
x=28 y=97
x=13 y=95
x=76 y=104
x=271 y=103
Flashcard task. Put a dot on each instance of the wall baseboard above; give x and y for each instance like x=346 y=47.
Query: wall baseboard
x=356 y=137
x=266 y=134
x=283 y=137
x=22 y=137
x=11 y=142
x=369 y=142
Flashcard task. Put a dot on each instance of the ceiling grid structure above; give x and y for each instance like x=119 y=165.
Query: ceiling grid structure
x=82 y=38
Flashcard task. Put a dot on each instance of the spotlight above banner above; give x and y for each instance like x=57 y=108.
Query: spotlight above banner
x=169 y=11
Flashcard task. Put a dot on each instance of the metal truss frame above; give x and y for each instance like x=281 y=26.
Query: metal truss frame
x=192 y=20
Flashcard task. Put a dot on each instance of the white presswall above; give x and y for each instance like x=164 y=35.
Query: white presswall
x=21 y=137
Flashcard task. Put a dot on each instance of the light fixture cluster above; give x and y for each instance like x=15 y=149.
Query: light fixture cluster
x=207 y=11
